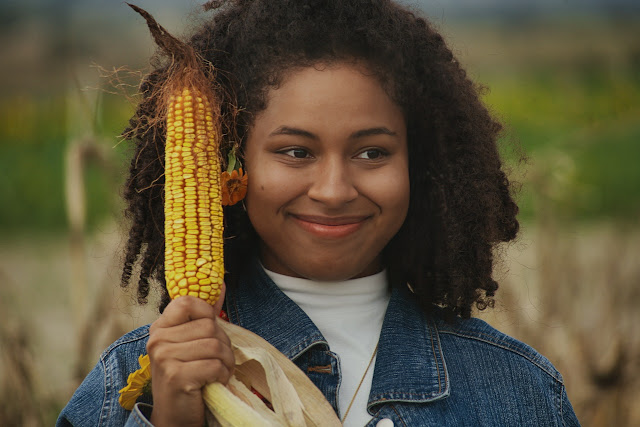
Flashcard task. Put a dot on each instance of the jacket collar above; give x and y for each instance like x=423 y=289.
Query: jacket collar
x=407 y=336
x=410 y=365
x=257 y=304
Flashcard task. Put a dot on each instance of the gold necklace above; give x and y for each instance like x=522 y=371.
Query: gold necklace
x=375 y=350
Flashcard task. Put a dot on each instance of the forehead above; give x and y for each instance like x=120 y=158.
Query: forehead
x=333 y=67
x=337 y=91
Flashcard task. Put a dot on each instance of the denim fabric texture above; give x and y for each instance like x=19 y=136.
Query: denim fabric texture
x=427 y=372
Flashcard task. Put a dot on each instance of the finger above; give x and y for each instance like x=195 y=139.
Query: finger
x=193 y=330
x=190 y=331
x=189 y=377
x=221 y=334
x=217 y=307
x=202 y=349
x=184 y=309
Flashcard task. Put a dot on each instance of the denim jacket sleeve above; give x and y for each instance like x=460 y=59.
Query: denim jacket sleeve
x=95 y=402
x=140 y=416
x=569 y=418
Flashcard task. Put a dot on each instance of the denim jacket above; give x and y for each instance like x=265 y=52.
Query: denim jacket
x=427 y=372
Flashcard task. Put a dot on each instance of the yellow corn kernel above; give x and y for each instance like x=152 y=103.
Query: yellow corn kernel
x=193 y=209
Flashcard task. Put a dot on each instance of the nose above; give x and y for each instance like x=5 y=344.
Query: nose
x=332 y=184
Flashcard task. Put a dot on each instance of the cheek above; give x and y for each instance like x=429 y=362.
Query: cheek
x=390 y=192
x=258 y=196
x=261 y=181
x=269 y=191
x=398 y=201
x=260 y=207
x=400 y=187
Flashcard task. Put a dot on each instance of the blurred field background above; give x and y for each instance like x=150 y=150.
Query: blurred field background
x=563 y=76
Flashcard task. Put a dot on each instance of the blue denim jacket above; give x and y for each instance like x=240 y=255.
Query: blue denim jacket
x=427 y=372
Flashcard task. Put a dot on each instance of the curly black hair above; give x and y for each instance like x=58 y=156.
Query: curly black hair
x=461 y=205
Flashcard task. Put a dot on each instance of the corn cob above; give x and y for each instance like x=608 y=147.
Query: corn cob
x=193 y=211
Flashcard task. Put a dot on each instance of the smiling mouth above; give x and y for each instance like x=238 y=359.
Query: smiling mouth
x=330 y=227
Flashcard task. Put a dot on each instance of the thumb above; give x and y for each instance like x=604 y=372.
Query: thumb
x=217 y=307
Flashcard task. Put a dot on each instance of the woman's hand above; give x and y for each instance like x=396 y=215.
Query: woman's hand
x=187 y=350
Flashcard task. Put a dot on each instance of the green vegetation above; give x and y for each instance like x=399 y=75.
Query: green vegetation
x=33 y=147
x=580 y=130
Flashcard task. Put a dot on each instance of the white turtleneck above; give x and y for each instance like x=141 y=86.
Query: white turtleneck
x=349 y=314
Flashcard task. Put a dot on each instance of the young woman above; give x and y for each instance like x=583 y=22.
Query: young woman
x=375 y=199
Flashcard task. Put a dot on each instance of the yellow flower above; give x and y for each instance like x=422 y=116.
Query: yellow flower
x=234 y=187
x=139 y=382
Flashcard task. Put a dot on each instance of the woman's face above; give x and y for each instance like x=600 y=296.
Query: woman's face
x=328 y=174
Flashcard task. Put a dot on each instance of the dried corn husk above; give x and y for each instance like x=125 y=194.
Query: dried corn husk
x=295 y=399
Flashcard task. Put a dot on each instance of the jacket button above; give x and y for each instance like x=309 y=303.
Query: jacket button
x=385 y=422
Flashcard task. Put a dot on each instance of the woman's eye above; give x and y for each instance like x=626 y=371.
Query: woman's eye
x=371 y=154
x=298 y=153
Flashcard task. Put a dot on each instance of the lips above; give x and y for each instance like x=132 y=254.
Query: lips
x=330 y=227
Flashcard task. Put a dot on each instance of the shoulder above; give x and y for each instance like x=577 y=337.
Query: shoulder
x=480 y=339
x=121 y=358
x=506 y=381
x=95 y=402
x=483 y=377
x=133 y=341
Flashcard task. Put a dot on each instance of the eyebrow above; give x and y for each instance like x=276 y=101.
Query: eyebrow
x=287 y=130
x=371 y=132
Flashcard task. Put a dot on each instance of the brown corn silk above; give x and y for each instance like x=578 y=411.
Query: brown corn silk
x=194 y=260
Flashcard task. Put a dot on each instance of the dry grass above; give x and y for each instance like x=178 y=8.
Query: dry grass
x=44 y=350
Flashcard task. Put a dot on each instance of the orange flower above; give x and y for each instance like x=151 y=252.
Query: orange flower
x=139 y=382
x=234 y=187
